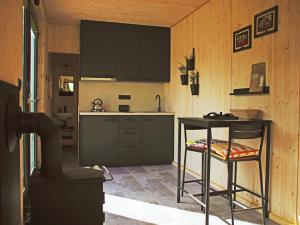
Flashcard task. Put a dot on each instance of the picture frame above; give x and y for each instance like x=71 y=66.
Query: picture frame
x=266 y=22
x=242 y=39
x=258 y=77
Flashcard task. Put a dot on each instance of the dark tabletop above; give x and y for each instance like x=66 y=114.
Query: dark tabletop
x=205 y=122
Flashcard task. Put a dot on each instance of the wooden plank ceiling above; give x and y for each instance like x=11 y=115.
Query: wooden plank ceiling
x=147 y=12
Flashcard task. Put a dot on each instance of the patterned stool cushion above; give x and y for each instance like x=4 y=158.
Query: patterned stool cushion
x=220 y=148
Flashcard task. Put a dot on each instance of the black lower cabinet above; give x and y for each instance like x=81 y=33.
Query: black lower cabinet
x=98 y=140
x=126 y=141
x=157 y=139
x=129 y=153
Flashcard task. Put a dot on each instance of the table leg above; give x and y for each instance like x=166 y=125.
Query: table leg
x=207 y=177
x=267 y=175
x=179 y=161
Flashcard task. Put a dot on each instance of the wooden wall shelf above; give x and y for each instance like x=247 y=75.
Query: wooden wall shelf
x=245 y=91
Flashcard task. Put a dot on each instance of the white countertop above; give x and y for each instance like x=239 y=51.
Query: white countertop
x=126 y=113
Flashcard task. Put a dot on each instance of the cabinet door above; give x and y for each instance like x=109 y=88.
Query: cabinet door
x=98 y=49
x=157 y=139
x=98 y=140
x=127 y=53
x=154 y=54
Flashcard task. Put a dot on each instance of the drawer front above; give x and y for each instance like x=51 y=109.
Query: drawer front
x=129 y=122
x=129 y=153
x=129 y=135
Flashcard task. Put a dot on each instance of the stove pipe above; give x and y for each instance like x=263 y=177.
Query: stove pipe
x=49 y=133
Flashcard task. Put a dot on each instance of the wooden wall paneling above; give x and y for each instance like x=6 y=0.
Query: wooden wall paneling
x=11 y=24
x=212 y=43
x=285 y=112
x=296 y=38
x=281 y=105
x=177 y=97
x=223 y=70
x=242 y=15
x=155 y=12
x=296 y=59
x=63 y=38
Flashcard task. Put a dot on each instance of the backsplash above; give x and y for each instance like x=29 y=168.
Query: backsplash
x=142 y=95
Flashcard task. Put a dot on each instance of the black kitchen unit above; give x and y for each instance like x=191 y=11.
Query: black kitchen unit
x=154 y=54
x=127 y=53
x=126 y=140
x=98 y=45
x=124 y=51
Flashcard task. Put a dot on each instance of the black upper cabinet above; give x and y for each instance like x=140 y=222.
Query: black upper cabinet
x=124 y=51
x=154 y=54
x=98 y=49
x=128 y=53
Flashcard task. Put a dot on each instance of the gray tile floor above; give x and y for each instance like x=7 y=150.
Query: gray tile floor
x=156 y=184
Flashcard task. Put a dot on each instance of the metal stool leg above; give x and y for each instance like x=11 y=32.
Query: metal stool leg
x=202 y=179
x=235 y=180
x=262 y=192
x=183 y=175
x=230 y=172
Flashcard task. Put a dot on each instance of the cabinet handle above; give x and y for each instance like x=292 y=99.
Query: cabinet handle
x=129 y=146
x=130 y=133
x=147 y=79
x=111 y=120
x=148 y=119
x=130 y=119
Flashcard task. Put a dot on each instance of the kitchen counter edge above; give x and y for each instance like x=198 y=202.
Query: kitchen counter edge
x=126 y=113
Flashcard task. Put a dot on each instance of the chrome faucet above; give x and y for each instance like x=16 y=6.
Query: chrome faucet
x=159 y=105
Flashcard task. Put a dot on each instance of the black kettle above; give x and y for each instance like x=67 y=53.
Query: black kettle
x=97 y=105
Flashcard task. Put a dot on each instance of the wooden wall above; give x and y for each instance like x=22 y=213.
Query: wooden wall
x=11 y=40
x=209 y=30
x=63 y=38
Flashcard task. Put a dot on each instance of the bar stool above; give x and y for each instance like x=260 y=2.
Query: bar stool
x=193 y=148
x=232 y=153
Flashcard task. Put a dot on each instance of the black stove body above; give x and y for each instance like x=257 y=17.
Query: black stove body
x=73 y=197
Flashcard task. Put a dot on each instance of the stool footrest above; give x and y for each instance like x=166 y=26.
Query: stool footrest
x=245 y=189
x=192 y=181
x=194 y=197
x=242 y=210
x=243 y=207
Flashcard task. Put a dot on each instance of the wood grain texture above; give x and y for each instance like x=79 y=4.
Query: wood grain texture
x=11 y=24
x=279 y=51
x=212 y=43
x=63 y=38
x=154 y=12
x=221 y=70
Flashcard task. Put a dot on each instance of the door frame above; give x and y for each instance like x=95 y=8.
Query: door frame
x=29 y=24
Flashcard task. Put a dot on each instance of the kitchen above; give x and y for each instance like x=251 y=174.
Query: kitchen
x=126 y=54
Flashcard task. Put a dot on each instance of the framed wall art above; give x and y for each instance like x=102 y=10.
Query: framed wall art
x=266 y=22
x=242 y=39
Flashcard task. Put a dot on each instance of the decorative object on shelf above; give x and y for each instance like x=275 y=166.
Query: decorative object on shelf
x=247 y=113
x=266 y=22
x=242 y=39
x=194 y=79
x=183 y=74
x=258 y=77
x=66 y=85
x=245 y=91
x=190 y=61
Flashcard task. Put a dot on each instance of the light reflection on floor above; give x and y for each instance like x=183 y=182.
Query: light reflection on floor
x=157 y=214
